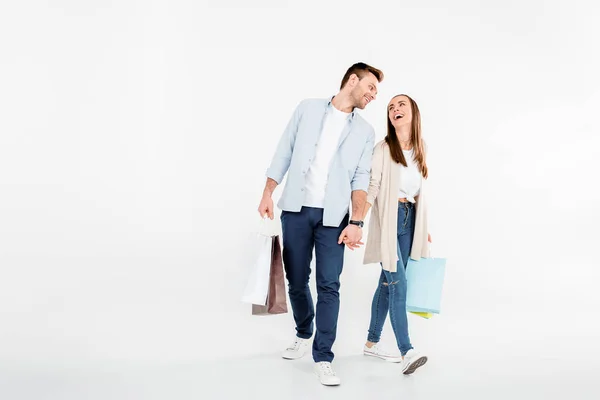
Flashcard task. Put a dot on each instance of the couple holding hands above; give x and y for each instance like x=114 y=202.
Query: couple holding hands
x=332 y=162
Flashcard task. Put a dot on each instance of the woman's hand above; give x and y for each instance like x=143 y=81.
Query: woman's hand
x=429 y=237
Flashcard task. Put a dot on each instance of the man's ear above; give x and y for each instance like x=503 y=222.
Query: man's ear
x=353 y=81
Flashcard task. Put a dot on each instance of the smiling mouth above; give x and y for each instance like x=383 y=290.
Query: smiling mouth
x=398 y=116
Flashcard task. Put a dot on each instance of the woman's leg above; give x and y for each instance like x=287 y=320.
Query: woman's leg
x=397 y=280
x=398 y=317
x=406 y=232
x=379 y=309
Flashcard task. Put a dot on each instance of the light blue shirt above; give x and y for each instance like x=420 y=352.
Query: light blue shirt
x=349 y=170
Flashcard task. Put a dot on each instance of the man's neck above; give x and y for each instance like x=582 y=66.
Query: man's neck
x=343 y=102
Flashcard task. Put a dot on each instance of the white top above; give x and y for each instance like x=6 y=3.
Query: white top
x=410 y=177
x=316 y=176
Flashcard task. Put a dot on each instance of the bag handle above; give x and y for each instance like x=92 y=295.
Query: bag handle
x=266 y=227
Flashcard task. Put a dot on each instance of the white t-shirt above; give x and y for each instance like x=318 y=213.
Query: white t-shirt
x=410 y=177
x=316 y=176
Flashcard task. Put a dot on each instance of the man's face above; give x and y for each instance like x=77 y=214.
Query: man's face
x=365 y=90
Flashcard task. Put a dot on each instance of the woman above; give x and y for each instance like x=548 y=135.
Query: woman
x=398 y=225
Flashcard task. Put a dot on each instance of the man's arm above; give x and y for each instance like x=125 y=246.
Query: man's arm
x=265 y=208
x=367 y=208
x=360 y=181
x=351 y=235
x=375 y=178
x=280 y=163
x=270 y=187
x=359 y=201
x=283 y=154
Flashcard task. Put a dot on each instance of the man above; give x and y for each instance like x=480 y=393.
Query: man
x=326 y=151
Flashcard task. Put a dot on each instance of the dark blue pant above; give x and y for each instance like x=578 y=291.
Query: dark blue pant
x=303 y=231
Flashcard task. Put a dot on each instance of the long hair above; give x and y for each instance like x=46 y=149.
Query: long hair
x=415 y=135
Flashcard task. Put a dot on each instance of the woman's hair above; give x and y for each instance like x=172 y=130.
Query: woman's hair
x=417 y=141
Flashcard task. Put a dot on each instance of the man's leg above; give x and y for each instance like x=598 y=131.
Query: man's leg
x=298 y=244
x=329 y=263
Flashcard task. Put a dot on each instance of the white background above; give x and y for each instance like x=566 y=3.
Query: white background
x=134 y=138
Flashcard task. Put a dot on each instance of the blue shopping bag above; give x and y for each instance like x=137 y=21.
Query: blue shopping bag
x=425 y=280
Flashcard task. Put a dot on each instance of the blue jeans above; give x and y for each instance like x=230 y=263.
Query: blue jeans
x=391 y=290
x=303 y=231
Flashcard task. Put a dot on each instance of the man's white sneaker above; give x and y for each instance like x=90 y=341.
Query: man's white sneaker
x=377 y=351
x=412 y=361
x=297 y=349
x=326 y=374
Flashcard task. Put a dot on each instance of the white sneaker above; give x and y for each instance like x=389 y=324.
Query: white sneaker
x=297 y=349
x=377 y=351
x=326 y=374
x=412 y=361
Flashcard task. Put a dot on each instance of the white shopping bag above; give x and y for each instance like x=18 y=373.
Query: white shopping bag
x=257 y=286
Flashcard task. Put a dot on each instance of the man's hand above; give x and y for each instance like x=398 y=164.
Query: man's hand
x=266 y=206
x=351 y=236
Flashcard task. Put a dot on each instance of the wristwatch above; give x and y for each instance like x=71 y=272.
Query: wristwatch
x=357 y=223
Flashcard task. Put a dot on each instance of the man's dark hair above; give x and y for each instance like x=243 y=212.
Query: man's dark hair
x=361 y=69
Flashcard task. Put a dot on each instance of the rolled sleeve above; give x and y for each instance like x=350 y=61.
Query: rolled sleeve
x=361 y=178
x=283 y=154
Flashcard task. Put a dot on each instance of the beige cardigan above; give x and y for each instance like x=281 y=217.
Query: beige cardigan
x=382 y=241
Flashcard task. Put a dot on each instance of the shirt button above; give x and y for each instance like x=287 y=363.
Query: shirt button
x=302 y=190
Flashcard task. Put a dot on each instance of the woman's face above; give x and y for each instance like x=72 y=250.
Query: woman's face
x=400 y=111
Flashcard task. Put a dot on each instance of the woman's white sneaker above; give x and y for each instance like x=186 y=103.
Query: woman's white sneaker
x=412 y=361
x=297 y=349
x=377 y=351
x=326 y=374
